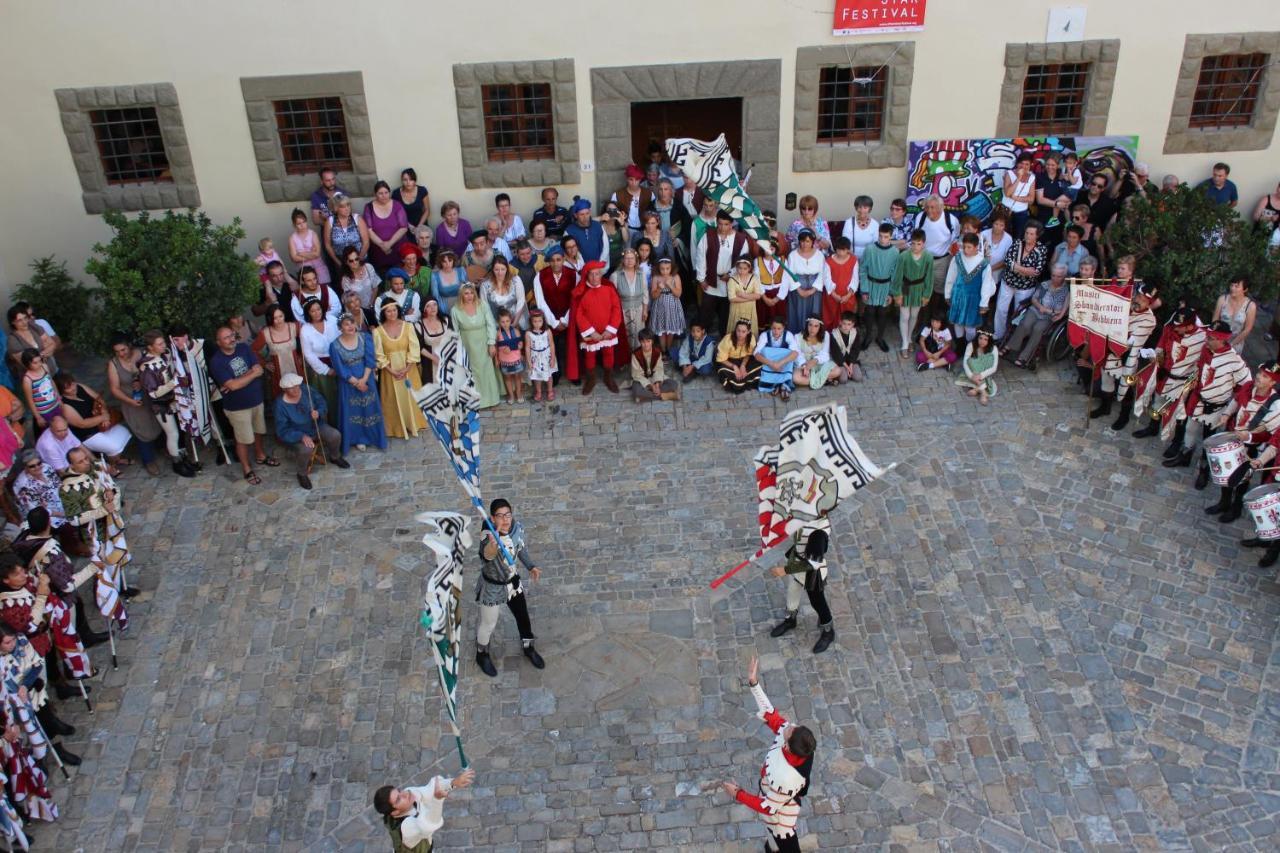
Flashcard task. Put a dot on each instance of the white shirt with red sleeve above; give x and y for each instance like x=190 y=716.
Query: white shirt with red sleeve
x=780 y=781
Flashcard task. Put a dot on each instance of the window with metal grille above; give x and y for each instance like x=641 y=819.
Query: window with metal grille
x=1053 y=99
x=517 y=121
x=130 y=145
x=851 y=104
x=1227 y=90
x=313 y=133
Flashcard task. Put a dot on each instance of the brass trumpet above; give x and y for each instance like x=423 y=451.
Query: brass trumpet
x=1174 y=399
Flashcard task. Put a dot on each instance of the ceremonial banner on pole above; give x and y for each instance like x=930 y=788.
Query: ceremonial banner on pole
x=1099 y=314
x=816 y=464
x=711 y=166
x=449 y=405
x=448 y=541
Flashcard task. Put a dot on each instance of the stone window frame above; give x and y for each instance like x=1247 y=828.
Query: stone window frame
x=478 y=172
x=757 y=82
x=98 y=196
x=260 y=94
x=1181 y=138
x=1102 y=55
x=810 y=155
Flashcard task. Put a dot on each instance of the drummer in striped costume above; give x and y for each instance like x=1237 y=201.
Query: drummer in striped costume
x=1220 y=372
x=1253 y=416
x=1142 y=323
x=784 y=778
x=1177 y=354
x=1264 y=459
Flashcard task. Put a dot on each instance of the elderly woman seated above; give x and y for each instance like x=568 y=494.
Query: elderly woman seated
x=1048 y=305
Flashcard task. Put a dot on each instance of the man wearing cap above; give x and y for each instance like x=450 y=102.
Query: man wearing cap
x=1142 y=323
x=418 y=275
x=595 y=319
x=553 y=294
x=633 y=198
x=1219 y=371
x=1253 y=416
x=713 y=261
x=1177 y=354
x=300 y=424
x=409 y=301
x=593 y=243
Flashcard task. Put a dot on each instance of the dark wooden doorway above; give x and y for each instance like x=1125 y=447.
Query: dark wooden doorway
x=702 y=118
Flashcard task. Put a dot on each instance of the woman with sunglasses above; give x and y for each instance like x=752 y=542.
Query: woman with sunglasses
x=809 y=221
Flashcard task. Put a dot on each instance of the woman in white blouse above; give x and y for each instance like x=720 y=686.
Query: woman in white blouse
x=318 y=331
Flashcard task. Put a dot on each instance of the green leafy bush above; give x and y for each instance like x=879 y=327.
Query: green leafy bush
x=1192 y=248
x=179 y=268
x=65 y=303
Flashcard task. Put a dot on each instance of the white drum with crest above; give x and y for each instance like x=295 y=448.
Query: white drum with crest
x=1225 y=453
x=1263 y=503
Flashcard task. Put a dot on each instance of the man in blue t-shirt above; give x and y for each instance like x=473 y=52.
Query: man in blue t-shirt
x=1218 y=188
x=238 y=376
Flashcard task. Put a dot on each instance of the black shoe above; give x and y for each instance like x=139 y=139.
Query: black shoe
x=304 y=481
x=1122 y=420
x=1103 y=408
x=1180 y=459
x=55 y=727
x=784 y=627
x=183 y=468
x=1147 y=431
x=70 y=691
x=1269 y=559
x=1253 y=542
x=1217 y=509
x=922 y=367
x=486 y=664
x=883 y=346
x=1173 y=451
x=221 y=458
x=130 y=592
x=1230 y=514
x=68 y=757
x=92 y=638
x=824 y=641
x=341 y=463
x=534 y=658
x=1202 y=478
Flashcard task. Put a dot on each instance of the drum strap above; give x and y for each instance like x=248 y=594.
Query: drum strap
x=1261 y=415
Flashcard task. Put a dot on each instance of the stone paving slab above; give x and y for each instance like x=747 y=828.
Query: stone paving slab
x=1043 y=643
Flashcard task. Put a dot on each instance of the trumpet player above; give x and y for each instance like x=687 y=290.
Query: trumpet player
x=1220 y=372
x=1177 y=354
x=1253 y=416
x=1142 y=323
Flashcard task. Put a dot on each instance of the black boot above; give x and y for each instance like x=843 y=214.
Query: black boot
x=1181 y=459
x=183 y=468
x=52 y=724
x=1083 y=378
x=1235 y=506
x=1102 y=409
x=825 y=639
x=485 y=662
x=534 y=658
x=1126 y=409
x=1175 y=447
x=68 y=757
x=1202 y=476
x=1147 y=431
x=1224 y=501
x=88 y=636
x=1269 y=559
x=784 y=627
x=1254 y=542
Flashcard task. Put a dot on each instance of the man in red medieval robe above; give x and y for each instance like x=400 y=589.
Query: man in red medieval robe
x=593 y=327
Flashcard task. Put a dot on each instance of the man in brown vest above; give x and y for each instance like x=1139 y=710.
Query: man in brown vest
x=633 y=200
x=713 y=261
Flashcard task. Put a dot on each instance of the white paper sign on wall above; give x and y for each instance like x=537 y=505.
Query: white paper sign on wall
x=1066 y=23
x=588 y=166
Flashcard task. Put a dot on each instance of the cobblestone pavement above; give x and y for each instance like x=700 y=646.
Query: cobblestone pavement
x=1043 y=643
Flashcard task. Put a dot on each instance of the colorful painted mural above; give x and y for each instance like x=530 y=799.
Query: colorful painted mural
x=969 y=173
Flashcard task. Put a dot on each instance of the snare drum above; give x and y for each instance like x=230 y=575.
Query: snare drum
x=1225 y=453
x=1263 y=503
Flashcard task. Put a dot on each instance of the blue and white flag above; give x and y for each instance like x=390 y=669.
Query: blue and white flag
x=447 y=539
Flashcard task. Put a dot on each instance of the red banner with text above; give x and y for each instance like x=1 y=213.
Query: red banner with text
x=862 y=17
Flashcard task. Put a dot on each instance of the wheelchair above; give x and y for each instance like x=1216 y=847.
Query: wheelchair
x=1054 y=345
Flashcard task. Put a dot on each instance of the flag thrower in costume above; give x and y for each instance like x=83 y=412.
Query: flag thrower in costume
x=815 y=464
x=449 y=405
x=448 y=540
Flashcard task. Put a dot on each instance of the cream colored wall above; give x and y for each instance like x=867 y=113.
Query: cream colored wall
x=406 y=58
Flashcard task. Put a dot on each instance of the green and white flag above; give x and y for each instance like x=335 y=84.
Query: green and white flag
x=448 y=541
x=711 y=166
